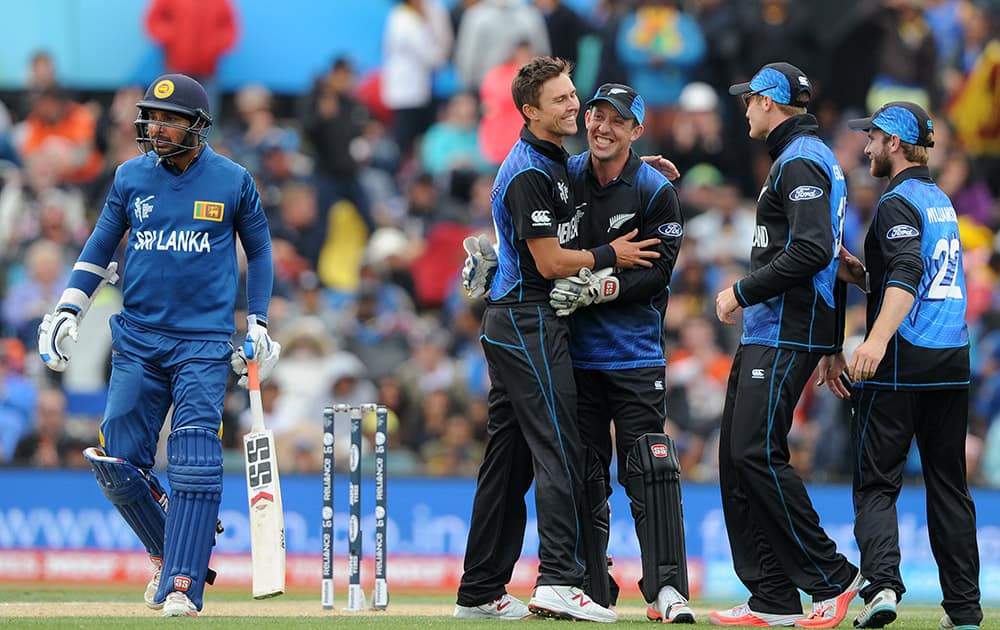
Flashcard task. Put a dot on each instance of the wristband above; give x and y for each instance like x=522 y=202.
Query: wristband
x=604 y=256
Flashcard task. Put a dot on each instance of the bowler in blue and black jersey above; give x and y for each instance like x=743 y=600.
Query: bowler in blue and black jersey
x=532 y=426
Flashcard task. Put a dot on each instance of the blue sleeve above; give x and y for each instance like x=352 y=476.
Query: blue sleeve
x=103 y=241
x=251 y=225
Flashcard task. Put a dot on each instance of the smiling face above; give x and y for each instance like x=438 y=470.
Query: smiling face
x=609 y=134
x=554 y=117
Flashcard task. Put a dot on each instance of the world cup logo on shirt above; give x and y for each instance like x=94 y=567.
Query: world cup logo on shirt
x=142 y=207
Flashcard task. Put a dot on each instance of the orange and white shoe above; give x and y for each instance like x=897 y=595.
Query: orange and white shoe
x=830 y=612
x=742 y=616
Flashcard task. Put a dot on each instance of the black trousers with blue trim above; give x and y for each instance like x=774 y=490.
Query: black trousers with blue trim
x=532 y=433
x=885 y=423
x=776 y=539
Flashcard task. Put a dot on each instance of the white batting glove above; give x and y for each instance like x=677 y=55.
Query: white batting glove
x=258 y=346
x=480 y=265
x=585 y=288
x=55 y=333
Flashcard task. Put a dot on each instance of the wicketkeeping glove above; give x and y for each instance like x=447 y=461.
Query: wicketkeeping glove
x=585 y=288
x=480 y=265
x=262 y=348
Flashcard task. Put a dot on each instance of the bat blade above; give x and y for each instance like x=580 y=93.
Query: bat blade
x=267 y=521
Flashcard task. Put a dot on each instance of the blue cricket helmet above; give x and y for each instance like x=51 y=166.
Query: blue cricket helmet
x=179 y=94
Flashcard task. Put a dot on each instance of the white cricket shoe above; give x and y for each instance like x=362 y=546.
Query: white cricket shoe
x=948 y=624
x=670 y=607
x=879 y=611
x=154 y=584
x=504 y=608
x=568 y=602
x=177 y=604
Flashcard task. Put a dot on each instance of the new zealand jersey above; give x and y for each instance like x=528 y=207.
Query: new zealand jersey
x=531 y=198
x=628 y=331
x=180 y=274
x=913 y=244
x=790 y=297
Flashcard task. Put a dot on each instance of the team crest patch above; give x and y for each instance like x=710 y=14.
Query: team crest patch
x=209 y=210
x=163 y=89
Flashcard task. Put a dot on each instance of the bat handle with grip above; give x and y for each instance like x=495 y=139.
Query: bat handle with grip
x=253 y=385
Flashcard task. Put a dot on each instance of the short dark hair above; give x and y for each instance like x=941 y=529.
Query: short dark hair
x=527 y=86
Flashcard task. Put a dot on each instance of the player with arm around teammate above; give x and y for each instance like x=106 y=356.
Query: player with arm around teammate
x=792 y=323
x=532 y=401
x=182 y=205
x=617 y=351
x=911 y=375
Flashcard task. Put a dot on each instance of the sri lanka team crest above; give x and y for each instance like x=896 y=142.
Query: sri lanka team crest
x=164 y=88
x=209 y=210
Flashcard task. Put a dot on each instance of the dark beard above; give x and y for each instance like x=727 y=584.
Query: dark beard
x=881 y=166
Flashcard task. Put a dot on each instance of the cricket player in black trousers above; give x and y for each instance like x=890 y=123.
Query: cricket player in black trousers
x=912 y=375
x=792 y=322
x=617 y=351
x=532 y=402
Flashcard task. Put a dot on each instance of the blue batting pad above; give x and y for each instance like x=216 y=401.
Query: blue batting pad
x=194 y=469
x=136 y=494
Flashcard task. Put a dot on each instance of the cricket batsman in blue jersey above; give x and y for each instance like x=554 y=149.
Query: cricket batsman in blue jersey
x=182 y=206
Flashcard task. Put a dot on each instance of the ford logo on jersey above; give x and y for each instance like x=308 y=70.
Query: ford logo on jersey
x=901 y=231
x=670 y=230
x=805 y=193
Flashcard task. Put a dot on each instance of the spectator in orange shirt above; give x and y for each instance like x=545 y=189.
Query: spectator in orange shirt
x=63 y=132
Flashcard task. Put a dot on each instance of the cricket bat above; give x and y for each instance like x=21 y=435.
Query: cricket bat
x=267 y=522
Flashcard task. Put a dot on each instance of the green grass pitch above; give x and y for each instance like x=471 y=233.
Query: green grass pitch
x=112 y=608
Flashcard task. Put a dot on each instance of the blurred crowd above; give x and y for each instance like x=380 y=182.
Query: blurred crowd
x=372 y=181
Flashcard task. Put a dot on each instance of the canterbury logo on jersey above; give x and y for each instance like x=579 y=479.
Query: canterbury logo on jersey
x=173 y=241
x=541 y=218
x=619 y=220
